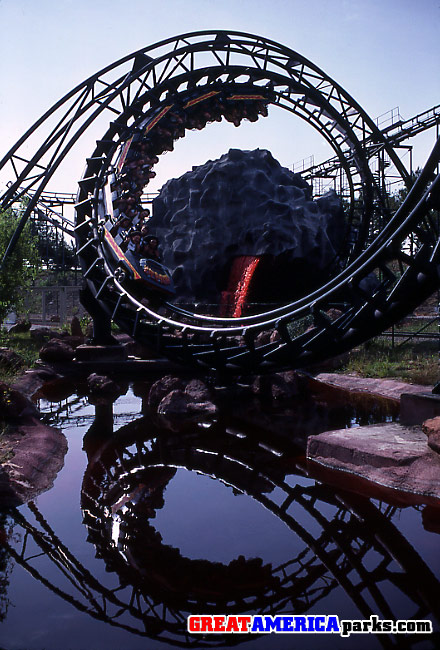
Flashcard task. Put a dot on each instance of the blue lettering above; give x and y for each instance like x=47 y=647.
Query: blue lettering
x=273 y=623
x=333 y=624
x=288 y=623
x=320 y=624
x=258 y=624
x=300 y=624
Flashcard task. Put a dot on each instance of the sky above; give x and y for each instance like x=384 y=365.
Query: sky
x=385 y=53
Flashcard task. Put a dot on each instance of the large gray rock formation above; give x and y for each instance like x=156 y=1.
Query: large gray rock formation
x=245 y=203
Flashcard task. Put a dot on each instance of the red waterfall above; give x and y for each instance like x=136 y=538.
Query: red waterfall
x=242 y=270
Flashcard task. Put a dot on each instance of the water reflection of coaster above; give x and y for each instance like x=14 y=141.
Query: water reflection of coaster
x=124 y=489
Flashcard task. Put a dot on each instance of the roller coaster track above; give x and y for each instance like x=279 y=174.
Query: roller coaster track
x=395 y=133
x=354 y=546
x=342 y=313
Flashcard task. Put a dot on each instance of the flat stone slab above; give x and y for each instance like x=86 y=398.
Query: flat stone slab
x=101 y=353
x=416 y=408
x=31 y=381
x=388 y=455
x=389 y=388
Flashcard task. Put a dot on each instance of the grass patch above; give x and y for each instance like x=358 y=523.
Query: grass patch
x=23 y=345
x=417 y=363
x=28 y=350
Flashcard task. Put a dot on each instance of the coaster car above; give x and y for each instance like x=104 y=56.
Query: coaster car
x=143 y=272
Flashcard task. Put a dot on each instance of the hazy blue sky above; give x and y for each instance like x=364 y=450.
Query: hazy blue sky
x=385 y=53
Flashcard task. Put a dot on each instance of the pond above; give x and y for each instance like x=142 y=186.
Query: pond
x=150 y=521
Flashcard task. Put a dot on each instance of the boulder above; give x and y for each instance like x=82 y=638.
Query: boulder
x=263 y=338
x=31 y=381
x=141 y=388
x=261 y=386
x=103 y=386
x=267 y=336
x=275 y=336
x=202 y=408
x=179 y=403
x=174 y=403
x=73 y=341
x=197 y=391
x=56 y=351
x=284 y=385
x=334 y=313
x=41 y=335
x=56 y=390
x=432 y=429
x=21 y=327
x=14 y=405
x=10 y=360
x=280 y=386
x=135 y=348
x=46 y=373
x=75 y=327
x=163 y=387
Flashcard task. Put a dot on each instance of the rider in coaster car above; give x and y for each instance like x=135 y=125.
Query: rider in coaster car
x=250 y=112
x=233 y=114
x=134 y=243
x=144 y=233
x=144 y=215
x=121 y=226
x=133 y=213
x=150 y=248
x=176 y=124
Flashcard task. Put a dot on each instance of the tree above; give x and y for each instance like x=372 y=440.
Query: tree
x=396 y=198
x=21 y=266
x=53 y=248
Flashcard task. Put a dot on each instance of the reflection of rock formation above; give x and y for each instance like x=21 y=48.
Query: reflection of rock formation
x=39 y=453
x=31 y=453
x=245 y=203
x=161 y=570
x=283 y=405
x=141 y=556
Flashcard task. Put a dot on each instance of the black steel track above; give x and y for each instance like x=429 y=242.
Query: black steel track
x=401 y=264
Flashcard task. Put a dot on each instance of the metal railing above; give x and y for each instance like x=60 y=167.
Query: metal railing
x=53 y=304
x=401 y=331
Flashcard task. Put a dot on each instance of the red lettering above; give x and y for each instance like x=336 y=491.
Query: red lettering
x=232 y=624
x=219 y=623
x=244 y=622
x=193 y=623
x=206 y=624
